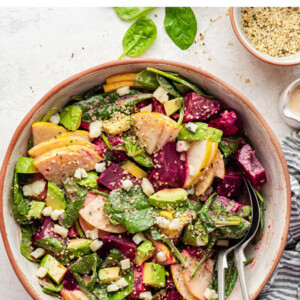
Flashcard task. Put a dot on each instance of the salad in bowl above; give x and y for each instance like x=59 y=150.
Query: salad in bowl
x=131 y=189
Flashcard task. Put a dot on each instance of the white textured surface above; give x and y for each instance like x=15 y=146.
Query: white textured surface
x=36 y=53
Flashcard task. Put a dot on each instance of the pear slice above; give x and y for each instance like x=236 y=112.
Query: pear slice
x=220 y=166
x=197 y=158
x=213 y=153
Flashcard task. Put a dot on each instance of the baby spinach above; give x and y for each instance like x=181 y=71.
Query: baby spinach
x=146 y=80
x=181 y=26
x=49 y=287
x=131 y=13
x=163 y=82
x=26 y=247
x=139 y=36
x=113 y=259
x=132 y=209
x=230 y=145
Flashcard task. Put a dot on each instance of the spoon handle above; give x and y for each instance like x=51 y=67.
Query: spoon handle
x=240 y=264
x=222 y=265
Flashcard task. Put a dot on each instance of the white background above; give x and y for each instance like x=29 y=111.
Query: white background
x=39 y=47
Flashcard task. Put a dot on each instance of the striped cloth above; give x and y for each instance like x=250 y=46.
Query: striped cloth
x=285 y=282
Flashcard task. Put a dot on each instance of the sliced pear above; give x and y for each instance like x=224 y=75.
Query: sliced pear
x=179 y=282
x=220 y=166
x=60 y=163
x=83 y=134
x=213 y=153
x=73 y=295
x=134 y=170
x=121 y=77
x=198 y=284
x=58 y=143
x=197 y=158
x=95 y=216
x=44 y=131
x=154 y=130
x=110 y=87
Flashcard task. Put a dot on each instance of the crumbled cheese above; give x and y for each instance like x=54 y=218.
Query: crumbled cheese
x=182 y=156
x=37 y=253
x=54 y=119
x=200 y=242
x=223 y=243
x=146 y=295
x=127 y=184
x=191 y=170
x=123 y=91
x=80 y=173
x=56 y=213
x=34 y=189
x=41 y=272
x=210 y=294
x=47 y=211
x=138 y=238
x=182 y=146
x=95 y=129
x=113 y=287
x=125 y=264
x=191 y=127
x=175 y=224
x=96 y=245
x=121 y=283
x=161 y=256
x=60 y=230
x=92 y=234
x=100 y=167
x=147 y=108
x=191 y=190
x=161 y=95
x=162 y=222
x=147 y=187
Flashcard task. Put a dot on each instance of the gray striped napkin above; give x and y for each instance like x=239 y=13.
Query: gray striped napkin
x=285 y=282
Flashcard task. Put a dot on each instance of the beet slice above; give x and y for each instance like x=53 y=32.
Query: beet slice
x=122 y=243
x=46 y=231
x=172 y=295
x=143 y=103
x=235 y=205
x=199 y=108
x=138 y=286
x=157 y=107
x=113 y=176
x=251 y=166
x=85 y=126
x=69 y=282
x=73 y=232
x=169 y=169
x=228 y=122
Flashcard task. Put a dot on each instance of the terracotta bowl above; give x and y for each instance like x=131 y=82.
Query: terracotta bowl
x=235 y=18
x=276 y=191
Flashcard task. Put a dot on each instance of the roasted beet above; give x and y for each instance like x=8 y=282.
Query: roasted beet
x=85 y=126
x=157 y=107
x=122 y=243
x=199 y=108
x=113 y=176
x=235 y=205
x=69 y=281
x=143 y=104
x=228 y=122
x=196 y=251
x=118 y=156
x=169 y=169
x=138 y=286
x=172 y=295
x=232 y=183
x=251 y=166
x=73 y=232
x=46 y=231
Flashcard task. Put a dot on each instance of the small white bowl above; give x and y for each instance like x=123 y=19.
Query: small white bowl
x=236 y=22
x=285 y=112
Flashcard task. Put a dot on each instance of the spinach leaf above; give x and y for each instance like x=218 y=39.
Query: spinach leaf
x=163 y=82
x=83 y=266
x=175 y=78
x=49 y=287
x=75 y=196
x=26 y=247
x=90 y=181
x=182 y=89
x=230 y=145
x=131 y=13
x=131 y=209
x=140 y=35
x=51 y=244
x=113 y=259
x=146 y=80
x=181 y=26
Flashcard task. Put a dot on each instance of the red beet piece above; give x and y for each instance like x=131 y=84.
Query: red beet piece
x=85 y=126
x=69 y=281
x=199 y=108
x=143 y=104
x=73 y=232
x=113 y=176
x=235 y=205
x=251 y=166
x=169 y=169
x=46 y=231
x=196 y=251
x=156 y=181
x=157 y=107
x=124 y=244
x=172 y=295
x=138 y=286
x=228 y=122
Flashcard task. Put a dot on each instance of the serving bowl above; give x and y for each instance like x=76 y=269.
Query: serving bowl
x=236 y=22
x=276 y=190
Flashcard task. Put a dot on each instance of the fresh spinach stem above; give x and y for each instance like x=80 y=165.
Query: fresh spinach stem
x=106 y=141
x=175 y=251
x=49 y=114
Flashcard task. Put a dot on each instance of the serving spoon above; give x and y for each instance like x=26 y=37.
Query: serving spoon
x=238 y=246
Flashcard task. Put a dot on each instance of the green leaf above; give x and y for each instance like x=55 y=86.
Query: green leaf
x=131 y=13
x=49 y=114
x=230 y=145
x=90 y=181
x=26 y=247
x=163 y=82
x=113 y=259
x=181 y=26
x=135 y=215
x=140 y=35
x=49 y=286
x=146 y=80
x=25 y=165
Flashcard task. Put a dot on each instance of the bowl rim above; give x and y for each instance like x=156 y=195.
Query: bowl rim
x=252 y=51
x=137 y=62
